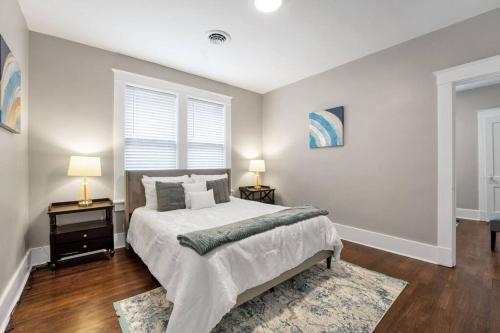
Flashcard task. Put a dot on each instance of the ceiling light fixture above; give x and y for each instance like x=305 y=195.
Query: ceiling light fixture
x=268 y=6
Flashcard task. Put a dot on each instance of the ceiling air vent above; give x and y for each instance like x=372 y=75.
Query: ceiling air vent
x=218 y=37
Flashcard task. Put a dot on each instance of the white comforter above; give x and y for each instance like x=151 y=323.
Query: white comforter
x=204 y=288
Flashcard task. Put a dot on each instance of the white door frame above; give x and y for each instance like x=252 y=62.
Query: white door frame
x=446 y=81
x=482 y=117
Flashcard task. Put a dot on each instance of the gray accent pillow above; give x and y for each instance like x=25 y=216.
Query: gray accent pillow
x=170 y=196
x=221 y=189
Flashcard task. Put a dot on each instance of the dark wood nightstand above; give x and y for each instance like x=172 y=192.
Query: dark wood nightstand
x=77 y=238
x=264 y=194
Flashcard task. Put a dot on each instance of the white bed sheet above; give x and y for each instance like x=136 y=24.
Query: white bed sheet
x=204 y=288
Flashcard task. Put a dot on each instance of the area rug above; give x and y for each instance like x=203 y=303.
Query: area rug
x=346 y=298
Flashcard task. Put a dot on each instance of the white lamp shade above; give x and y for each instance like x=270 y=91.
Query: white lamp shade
x=257 y=166
x=84 y=166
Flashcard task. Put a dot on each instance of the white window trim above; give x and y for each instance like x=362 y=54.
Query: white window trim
x=183 y=92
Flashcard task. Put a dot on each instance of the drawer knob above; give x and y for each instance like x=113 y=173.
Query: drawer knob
x=84 y=235
x=84 y=246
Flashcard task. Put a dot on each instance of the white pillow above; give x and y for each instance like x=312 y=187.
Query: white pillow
x=201 y=200
x=203 y=178
x=150 y=188
x=193 y=187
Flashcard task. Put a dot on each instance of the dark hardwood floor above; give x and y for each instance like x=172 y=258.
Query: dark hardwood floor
x=438 y=299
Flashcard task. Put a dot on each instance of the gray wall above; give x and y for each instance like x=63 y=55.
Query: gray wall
x=385 y=177
x=466 y=156
x=14 y=153
x=71 y=91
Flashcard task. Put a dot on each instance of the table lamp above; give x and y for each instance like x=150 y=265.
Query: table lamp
x=84 y=166
x=257 y=166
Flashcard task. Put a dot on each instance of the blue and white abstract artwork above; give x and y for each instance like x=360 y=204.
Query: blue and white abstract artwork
x=326 y=128
x=10 y=89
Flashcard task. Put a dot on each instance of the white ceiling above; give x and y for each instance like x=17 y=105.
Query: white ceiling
x=267 y=51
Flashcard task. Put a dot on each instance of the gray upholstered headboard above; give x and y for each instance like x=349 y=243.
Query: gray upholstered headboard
x=134 y=190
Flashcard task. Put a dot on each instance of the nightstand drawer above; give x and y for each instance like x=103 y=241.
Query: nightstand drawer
x=68 y=249
x=83 y=235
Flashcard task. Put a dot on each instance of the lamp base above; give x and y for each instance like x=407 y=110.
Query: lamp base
x=257 y=181
x=85 y=203
x=84 y=199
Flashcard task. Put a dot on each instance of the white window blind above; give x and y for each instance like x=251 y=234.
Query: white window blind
x=150 y=129
x=206 y=135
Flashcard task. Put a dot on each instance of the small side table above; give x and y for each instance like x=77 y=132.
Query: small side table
x=80 y=237
x=264 y=194
x=494 y=228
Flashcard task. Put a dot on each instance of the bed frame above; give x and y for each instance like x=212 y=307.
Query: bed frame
x=135 y=197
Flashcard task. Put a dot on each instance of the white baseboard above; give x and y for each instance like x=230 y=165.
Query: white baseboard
x=119 y=240
x=34 y=257
x=13 y=291
x=39 y=255
x=469 y=214
x=401 y=246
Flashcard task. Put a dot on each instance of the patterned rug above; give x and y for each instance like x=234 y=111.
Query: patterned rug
x=347 y=298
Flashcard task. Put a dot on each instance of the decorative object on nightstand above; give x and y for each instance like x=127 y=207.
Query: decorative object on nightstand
x=81 y=237
x=84 y=166
x=257 y=166
x=264 y=194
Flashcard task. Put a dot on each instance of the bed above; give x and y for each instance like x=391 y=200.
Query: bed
x=204 y=288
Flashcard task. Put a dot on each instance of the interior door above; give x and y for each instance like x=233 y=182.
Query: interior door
x=492 y=140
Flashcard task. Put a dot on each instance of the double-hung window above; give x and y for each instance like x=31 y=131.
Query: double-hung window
x=164 y=125
x=150 y=129
x=206 y=134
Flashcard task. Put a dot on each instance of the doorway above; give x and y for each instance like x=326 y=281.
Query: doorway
x=446 y=81
x=477 y=134
x=489 y=163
